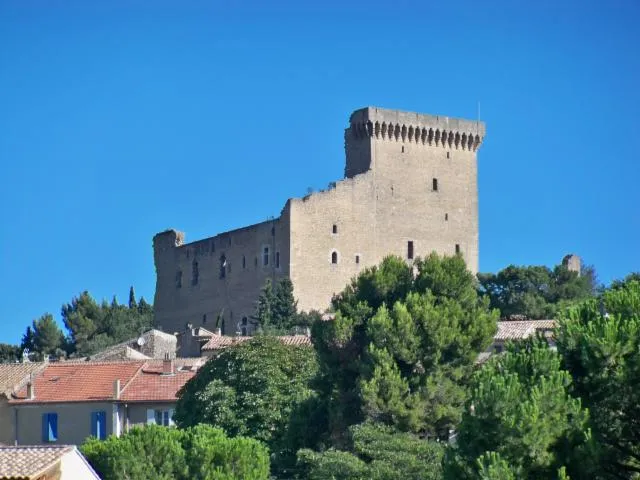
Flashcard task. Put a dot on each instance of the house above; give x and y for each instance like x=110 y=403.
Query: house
x=13 y=376
x=218 y=342
x=52 y=462
x=151 y=344
x=69 y=401
x=513 y=330
x=191 y=340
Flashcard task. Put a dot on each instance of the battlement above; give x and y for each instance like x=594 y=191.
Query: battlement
x=417 y=128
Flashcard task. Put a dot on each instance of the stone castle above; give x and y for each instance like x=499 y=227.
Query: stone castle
x=410 y=188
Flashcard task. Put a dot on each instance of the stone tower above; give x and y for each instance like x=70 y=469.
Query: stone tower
x=410 y=188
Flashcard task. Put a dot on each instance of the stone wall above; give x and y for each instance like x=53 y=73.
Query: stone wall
x=218 y=276
x=411 y=183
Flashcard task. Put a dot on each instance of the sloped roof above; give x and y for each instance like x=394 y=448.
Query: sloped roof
x=217 y=342
x=156 y=344
x=78 y=382
x=19 y=463
x=521 y=329
x=14 y=375
x=151 y=385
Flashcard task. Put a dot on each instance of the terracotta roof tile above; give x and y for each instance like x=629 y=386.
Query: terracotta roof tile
x=79 y=382
x=15 y=375
x=218 y=342
x=28 y=462
x=152 y=385
x=520 y=329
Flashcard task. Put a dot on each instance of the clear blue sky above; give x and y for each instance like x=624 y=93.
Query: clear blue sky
x=119 y=120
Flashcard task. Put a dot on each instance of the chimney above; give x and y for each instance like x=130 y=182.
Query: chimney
x=116 y=389
x=31 y=391
x=167 y=365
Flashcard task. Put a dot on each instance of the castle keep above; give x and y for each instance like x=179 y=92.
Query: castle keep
x=410 y=188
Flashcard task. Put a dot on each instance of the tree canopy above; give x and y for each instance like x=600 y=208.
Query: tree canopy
x=402 y=347
x=250 y=389
x=536 y=291
x=521 y=419
x=600 y=345
x=160 y=453
x=277 y=309
x=376 y=453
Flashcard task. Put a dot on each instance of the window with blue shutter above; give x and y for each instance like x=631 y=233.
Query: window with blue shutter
x=99 y=425
x=49 y=427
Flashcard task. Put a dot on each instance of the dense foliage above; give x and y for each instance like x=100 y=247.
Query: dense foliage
x=376 y=453
x=600 y=345
x=90 y=327
x=93 y=327
x=250 y=389
x=9 y=353
x=277 y=310
x=160 y=453
x=401 y=348
x=522 y=411
x=536 y=291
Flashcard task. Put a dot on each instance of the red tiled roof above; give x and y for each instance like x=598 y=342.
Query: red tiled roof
x=218 y=342
x=152 y=385
x=79 y=382
x=520 y=329
x=15 y=375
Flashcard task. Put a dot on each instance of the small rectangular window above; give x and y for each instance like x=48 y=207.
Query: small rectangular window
x=49 y=427
x=204 y=319
x=277 y=259
x=357 y=258
x=446 y=217
x=265 y=256
x=99 y=425
x=448 y=155
x=410 y=250
x=435 y=184
x=179 y=279
x=335 y=228
x=457 y=248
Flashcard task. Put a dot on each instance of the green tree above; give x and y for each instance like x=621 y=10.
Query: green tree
x=521 y=409
x=264 y=308
x=250 y=389
x=200 y=453
x=93 y=327
x=9 y=353
x=536 y=291
x=400 y=350
x=44 y=337
x=132 y=299
x=277 y=309
x=285 y=306
x=600 y=345
x=376 y=453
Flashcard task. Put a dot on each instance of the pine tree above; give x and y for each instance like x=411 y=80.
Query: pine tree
x=285 y=306
x=264 y=309
x=132 y=298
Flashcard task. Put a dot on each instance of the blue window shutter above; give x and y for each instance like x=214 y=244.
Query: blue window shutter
x=53 y=427
x=102 y=425
x=94 y=422
x=45 y=427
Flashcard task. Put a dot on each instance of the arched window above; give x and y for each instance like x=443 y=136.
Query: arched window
x=195 y=274
x=334 y=257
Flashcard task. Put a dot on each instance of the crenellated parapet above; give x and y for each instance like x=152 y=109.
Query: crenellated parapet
x=408 y=127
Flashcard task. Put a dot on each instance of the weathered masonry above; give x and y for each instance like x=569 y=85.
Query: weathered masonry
x=410 y=188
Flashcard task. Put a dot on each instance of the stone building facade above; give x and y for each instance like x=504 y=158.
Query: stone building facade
x=410 y=188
